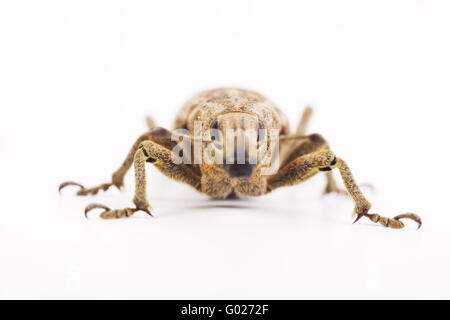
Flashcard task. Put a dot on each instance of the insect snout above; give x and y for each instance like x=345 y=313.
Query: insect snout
x=239 y=170
x=239 y=138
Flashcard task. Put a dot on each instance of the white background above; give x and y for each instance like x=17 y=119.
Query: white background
x=77 y=79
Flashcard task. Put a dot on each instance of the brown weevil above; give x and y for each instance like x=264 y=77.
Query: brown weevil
x=217 y=157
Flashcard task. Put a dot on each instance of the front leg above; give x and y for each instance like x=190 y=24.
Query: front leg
x=362 y=206
x=306 y=166
x=161 y=158
x=302 y=168
x=139 y=200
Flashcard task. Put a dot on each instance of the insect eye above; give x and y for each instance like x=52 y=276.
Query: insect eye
x=216 y=139
x=261 y=132
x=215 y=125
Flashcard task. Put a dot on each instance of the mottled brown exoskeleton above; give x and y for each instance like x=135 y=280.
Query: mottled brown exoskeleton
x=300 y=156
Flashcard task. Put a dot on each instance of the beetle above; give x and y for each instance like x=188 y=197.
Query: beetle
x=231 y=113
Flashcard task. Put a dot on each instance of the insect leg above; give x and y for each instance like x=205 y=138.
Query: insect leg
x=309 y=144
x=303 y=124
x=306 y=166
x=362 y=206
x=302 y=168
x=332 y=185
x=160 y=157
